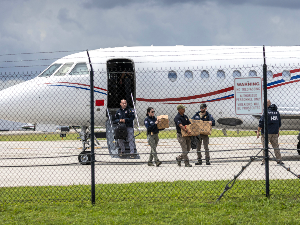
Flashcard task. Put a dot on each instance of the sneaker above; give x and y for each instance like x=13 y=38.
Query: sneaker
x=199 y=162
x=132 y=156
x=158 y=163
x=188 y=165
x=178 y=161
x=150 y=164
x=280 y=162
x=207 y=162
x=122 y=154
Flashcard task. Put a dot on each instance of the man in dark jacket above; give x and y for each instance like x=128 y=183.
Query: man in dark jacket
x=181 y=120
x=205 y=116
x=126 y=115
x=274 y=124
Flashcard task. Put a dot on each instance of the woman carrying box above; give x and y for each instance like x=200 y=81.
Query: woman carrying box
x=152 y=134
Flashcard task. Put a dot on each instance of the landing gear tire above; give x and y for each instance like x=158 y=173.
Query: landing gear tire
x=85 y=158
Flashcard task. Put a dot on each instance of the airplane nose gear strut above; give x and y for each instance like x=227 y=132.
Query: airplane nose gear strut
x=85 y=156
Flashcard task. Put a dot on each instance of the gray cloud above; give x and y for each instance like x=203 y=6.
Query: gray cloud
x=37 y=26
x=108 y=4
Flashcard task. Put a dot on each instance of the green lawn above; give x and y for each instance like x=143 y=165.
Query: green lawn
x=180 y=202
x=162 y=135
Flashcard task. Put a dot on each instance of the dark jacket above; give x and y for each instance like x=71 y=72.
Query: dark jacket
x=179 y=119
x=127 y=114
x=274 y=120
x=205 y=117
x=150 y=125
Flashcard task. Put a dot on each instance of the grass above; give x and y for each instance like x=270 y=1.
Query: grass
x=180 y=202
x=166 y=134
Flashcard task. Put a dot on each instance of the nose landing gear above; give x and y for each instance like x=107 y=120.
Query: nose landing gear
x=85 y=157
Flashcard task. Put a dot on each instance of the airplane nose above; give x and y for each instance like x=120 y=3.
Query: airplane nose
x=15 y=102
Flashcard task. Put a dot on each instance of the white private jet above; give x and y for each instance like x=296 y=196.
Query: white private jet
x=163 y=77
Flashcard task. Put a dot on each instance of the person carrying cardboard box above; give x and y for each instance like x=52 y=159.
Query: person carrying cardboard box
x=181 y=121
x=204 y=116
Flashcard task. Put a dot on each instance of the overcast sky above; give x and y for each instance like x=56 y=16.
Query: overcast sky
x=29 y=26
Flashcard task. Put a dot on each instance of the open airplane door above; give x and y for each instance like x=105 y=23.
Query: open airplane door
x=121 y=84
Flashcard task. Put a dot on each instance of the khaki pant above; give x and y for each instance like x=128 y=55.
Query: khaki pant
x=273 y=138
x=205 y=140
x=185 y=143
x=153 y=141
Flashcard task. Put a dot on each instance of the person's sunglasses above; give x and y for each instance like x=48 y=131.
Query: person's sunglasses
x=152 y=111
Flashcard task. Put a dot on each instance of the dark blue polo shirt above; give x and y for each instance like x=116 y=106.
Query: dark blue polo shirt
x=179 y=119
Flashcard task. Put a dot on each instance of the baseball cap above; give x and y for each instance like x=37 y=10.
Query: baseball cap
x=180 y=107
x=203 y=105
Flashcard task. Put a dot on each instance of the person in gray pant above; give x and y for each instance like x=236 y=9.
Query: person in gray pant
x=126 y=115
x=152 y=135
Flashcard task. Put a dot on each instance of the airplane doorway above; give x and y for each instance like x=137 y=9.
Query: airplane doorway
x=120 y=82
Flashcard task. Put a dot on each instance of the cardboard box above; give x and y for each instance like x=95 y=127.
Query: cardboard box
x=204 y=126
x=194 y=128
x=164 y=122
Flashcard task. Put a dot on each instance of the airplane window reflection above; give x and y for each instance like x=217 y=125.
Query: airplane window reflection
x=286 y=75
x=188 y=74
x=50 y=70
x=64 y=69
x=220 y=74
x=204 y=74
x=269 y=74
x=172 y=76
x=236 y=73
x=79 y=69
x=252 y=73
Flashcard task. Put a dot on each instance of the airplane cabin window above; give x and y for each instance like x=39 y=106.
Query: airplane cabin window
x=286 y=75
x=188 y=75
x=50 y=70
x=269 y=75
x=172 y=76
x=79 y=69
x=252 y=73
x=221 y=74
x=236 y=73
x=204 y=74
x=64 y=69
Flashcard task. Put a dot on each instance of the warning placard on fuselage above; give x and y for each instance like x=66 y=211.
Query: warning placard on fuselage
x=248 y=95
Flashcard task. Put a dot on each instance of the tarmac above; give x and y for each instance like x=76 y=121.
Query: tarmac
x=44 y=163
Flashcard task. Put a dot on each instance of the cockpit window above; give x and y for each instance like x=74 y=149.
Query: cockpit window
x=64 y=69
x=50 y=70
x=80 y=69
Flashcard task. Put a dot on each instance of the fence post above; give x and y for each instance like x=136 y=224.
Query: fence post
x=266 y=133
x=92 y=131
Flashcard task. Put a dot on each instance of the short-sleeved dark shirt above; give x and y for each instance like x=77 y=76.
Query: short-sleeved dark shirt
x=274 y=121
x=179 y=119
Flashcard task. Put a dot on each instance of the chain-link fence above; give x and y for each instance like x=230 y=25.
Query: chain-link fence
x=47 y=147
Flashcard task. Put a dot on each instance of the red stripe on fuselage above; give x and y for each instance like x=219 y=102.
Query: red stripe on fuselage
x=186 y=98
x=278 y=85
x=291 y=71
x=189 y=103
